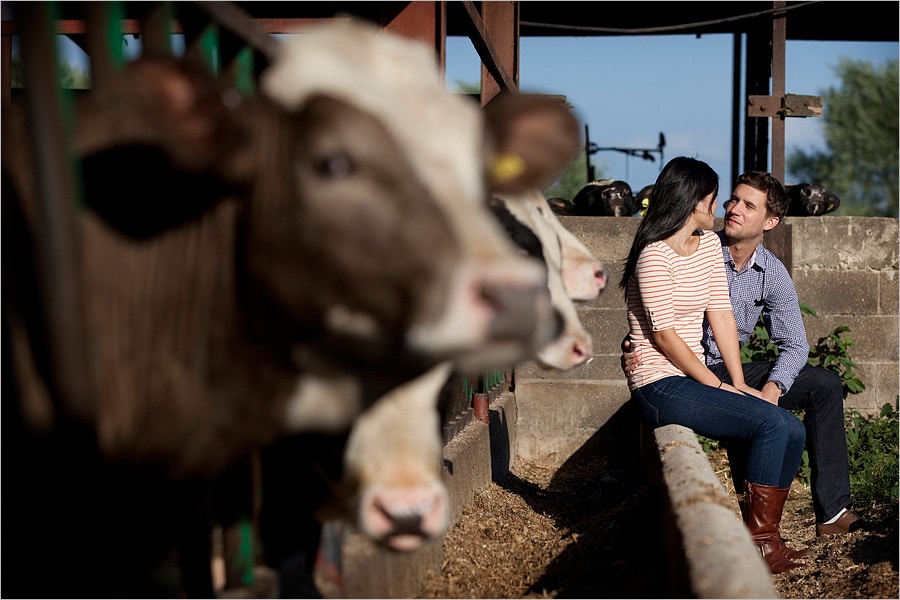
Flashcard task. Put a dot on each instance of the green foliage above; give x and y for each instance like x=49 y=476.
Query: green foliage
x=833 y=352
x=69 y=77
x=467 y=88
x=571 y=180
x=760 y=346
x=72 y=78
x=873 y=451
x=709 y=445
x=861 y=130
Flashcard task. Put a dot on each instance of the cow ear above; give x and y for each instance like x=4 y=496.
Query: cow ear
x=534 y=138
x=833 y=202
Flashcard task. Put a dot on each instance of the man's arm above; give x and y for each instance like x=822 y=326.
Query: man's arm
x=784 y=322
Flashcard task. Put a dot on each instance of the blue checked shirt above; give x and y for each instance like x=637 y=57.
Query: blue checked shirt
x=764 y=286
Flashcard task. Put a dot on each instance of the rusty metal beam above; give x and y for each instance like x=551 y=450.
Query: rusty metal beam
x=779 y=36
x=422 y=21
x=501 y=21
x=484 y=46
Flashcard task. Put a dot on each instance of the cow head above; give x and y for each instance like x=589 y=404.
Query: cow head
x=454 y=289
x=810 y=199
x=605 y=198
x=533 y=227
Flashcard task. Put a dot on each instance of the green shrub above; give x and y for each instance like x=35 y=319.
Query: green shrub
x=873 y=452
x=831 y=352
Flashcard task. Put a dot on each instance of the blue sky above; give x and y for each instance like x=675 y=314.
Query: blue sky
x=629 y=89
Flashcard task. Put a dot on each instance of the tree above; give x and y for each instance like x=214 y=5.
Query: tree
x=70 y=77
x=860 y=164
x=571 y=180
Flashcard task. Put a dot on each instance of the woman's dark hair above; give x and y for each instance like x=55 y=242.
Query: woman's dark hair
x=682 y=183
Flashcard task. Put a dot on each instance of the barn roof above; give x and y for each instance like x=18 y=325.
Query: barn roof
x=819 y=20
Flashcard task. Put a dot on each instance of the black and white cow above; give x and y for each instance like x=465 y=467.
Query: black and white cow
x=642 y=199
x=561 y=206
x=604 y=198
x=810 y=199
x=270 y=247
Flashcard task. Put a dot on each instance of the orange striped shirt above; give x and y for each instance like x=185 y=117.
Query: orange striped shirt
x=671 y=291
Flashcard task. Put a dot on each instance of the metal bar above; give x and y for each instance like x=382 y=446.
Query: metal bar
x=156 y=29
x=485 y=48
x=5 y=66
x=778 y=68
x=104 y=41
x=58 y=247
x=501 y=20
x=233 y=19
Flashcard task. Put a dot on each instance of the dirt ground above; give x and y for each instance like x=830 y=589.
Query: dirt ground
x=587 y=534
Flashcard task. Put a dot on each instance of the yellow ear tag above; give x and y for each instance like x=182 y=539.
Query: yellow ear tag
x=644 y=204
x=507 y=167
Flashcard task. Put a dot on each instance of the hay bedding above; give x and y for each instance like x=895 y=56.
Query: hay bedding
x=586 y=533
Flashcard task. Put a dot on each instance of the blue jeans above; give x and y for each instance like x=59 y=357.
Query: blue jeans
x=775 y=437
x=818 y=393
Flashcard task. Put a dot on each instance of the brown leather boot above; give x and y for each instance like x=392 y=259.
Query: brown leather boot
x=744 y=505
x=766 y=505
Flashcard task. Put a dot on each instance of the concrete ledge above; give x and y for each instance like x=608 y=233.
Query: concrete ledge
x=708 y=549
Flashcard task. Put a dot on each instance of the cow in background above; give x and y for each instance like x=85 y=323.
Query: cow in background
x=604 y=198
x=532 y=233
x=211 y=316
x=642 y=199
x=561 y=206
x=810 y=199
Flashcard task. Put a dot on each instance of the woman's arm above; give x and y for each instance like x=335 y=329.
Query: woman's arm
x=725 y=333
x=682 y=357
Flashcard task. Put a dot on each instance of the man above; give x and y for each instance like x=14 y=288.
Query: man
x=760 y=284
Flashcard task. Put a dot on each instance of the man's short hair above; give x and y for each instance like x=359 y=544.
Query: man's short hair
x=776 y=198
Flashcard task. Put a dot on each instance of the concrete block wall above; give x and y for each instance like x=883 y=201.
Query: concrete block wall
x=846 y=269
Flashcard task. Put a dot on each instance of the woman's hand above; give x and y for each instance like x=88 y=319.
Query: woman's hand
x=744 y=389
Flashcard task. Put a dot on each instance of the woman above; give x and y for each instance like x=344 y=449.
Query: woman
x=673 y=278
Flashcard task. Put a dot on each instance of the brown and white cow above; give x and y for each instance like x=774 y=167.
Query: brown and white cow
x=261 y=243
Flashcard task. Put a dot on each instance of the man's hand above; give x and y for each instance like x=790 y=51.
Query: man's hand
x=771 y=393
x=630 y=360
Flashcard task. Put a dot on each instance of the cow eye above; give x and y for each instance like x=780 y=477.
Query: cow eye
x=334 y=165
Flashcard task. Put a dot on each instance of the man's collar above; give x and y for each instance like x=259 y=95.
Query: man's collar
x=758 y=259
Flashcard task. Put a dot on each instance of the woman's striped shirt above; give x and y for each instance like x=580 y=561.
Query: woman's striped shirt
x=669 y=291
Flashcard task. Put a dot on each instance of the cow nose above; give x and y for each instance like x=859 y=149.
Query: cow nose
x=515 y=309
x=600 y=276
